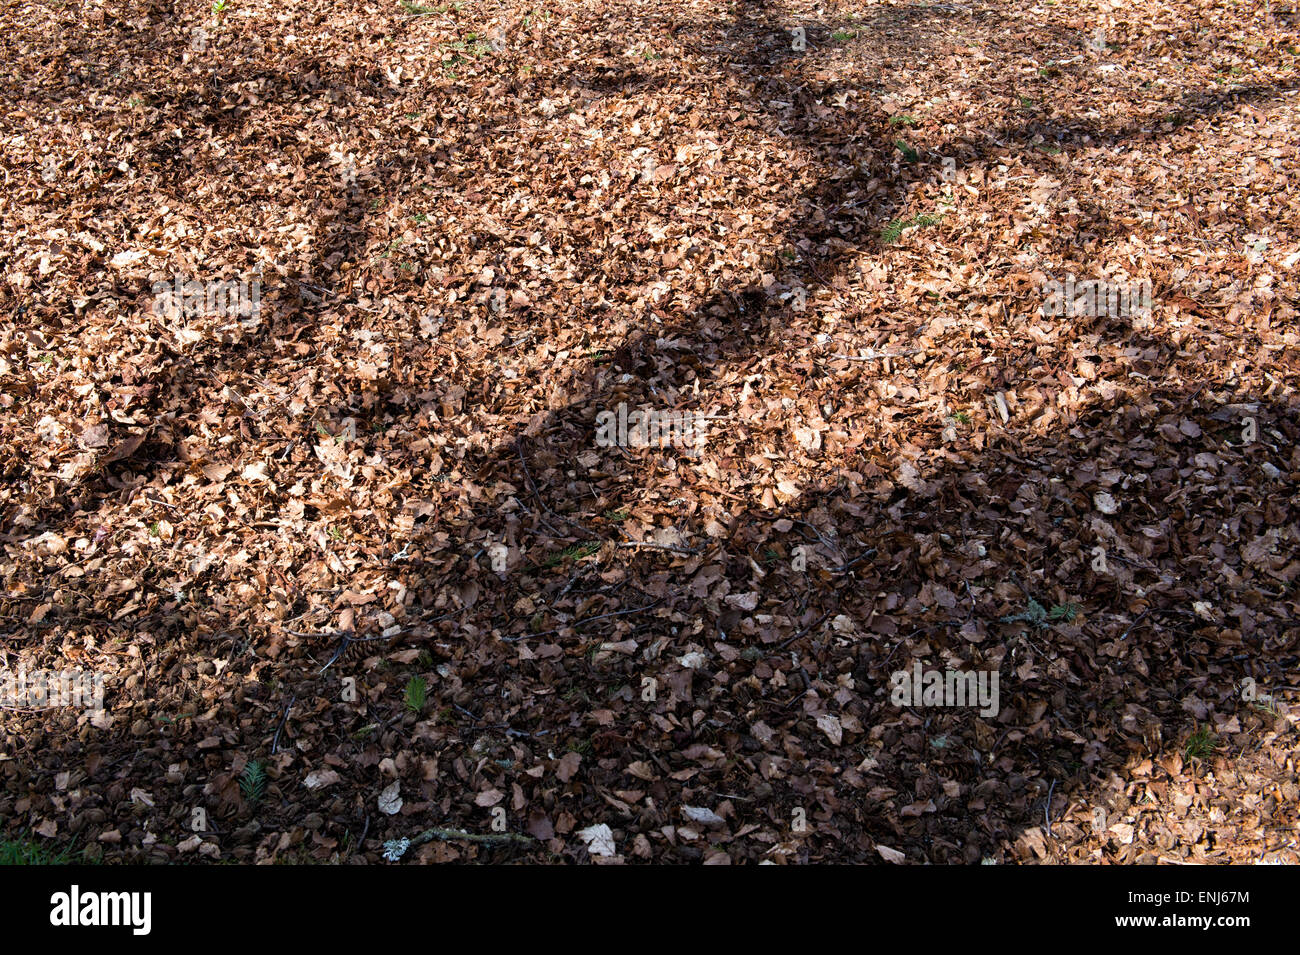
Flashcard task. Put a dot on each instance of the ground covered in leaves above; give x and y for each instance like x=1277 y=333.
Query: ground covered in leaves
x=356 y=569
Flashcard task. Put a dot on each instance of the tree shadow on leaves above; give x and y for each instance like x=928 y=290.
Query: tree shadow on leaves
x=926 y=564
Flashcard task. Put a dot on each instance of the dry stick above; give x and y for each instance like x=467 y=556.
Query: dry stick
x=582 y=571
x=349 y=639
x=488 y=838
x=794 y=520
x=579 y=623
x=651 y=544
x=1135 y=623
x=1047 y=808
x=540 y=519
x=844 y=567
x=879 y=355
x=342 y=301
x=814 y=626
x=519 y=447
x=505 y=727
x=276 y=742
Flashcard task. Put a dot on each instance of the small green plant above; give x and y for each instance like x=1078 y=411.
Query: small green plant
x=24 y=852
x=1035 y=614
x=576 y=552
x=336 y=534
x=910 y=154
x=416 y=694
x=1063 y=612
x=1201 y=744
x=903 y=120
x=894 y=231
x=963 y=417
x=166 y=720
x=1269 y=708
x=1041 y=617
x=219 y=7
x=840 y=36
x=252 y=782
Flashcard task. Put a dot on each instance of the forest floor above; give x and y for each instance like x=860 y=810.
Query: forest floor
x=368 y=562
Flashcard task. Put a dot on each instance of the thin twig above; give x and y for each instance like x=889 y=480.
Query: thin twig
x=876 y=356
x=861 y=557
x=519 y=447
x=488 y=838
x=805 y=630
x=652 y=544
x=1135 y=623
x=276 y=741
x=579 y=623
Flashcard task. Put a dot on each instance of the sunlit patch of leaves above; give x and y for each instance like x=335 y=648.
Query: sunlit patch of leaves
x=419 y=10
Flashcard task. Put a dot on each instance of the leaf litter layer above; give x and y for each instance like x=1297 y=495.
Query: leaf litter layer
x=357 y=569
